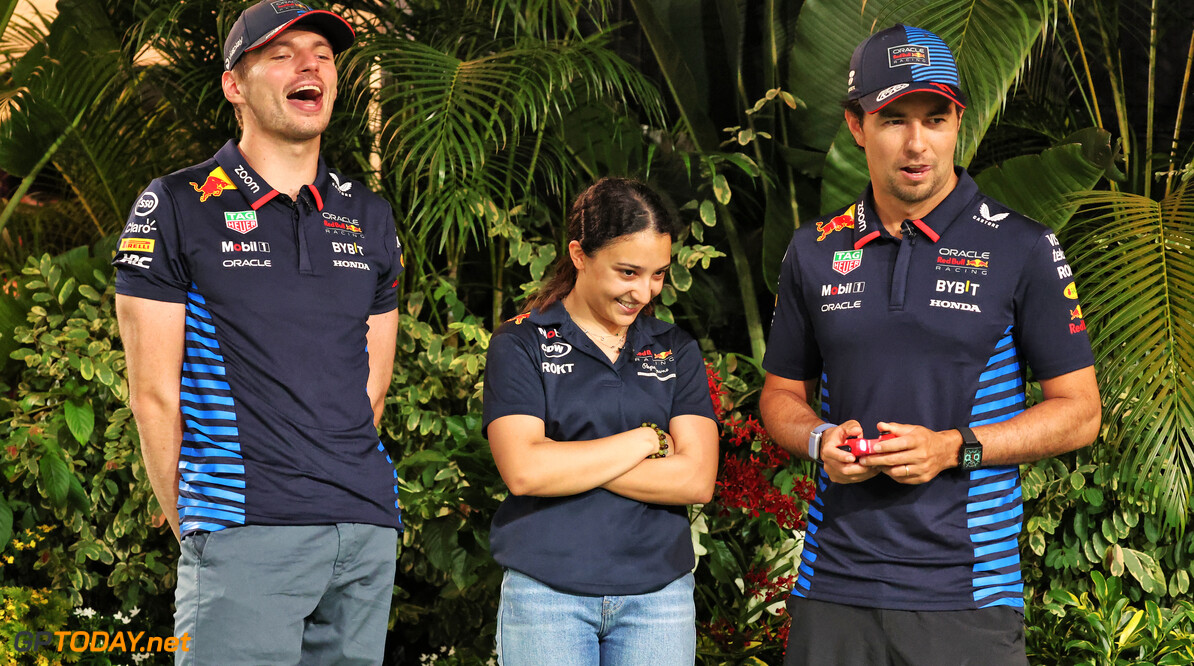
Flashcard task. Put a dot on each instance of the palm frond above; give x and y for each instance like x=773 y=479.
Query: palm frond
x=76 y=108
x=1134 y=262
x=449 y=119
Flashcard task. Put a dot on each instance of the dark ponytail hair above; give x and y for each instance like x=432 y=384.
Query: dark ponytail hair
x=607 y=210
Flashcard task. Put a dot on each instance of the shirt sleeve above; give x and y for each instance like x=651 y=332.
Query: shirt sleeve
x=149 y=259
x=512 y=381
x=385 y=298
x=792 y=351
x=1050 y=329
x=692 y=388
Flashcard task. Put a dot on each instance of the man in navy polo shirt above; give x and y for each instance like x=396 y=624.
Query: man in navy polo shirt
x=256 y=295
x=917 y=312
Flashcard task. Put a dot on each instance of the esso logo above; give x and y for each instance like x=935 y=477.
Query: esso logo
x=146 y=204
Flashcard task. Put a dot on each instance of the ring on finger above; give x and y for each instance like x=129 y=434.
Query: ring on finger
x=906 y=472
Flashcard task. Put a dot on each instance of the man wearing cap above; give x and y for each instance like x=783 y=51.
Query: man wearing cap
x=917 y=312
x=256 y=296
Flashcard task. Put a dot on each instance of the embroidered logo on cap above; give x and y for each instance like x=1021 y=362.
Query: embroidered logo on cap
x=907 y=54
x=283 y=6
x=888 y=92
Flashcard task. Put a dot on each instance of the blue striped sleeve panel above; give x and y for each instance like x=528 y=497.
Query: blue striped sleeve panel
x=211 y=490
x=995 y=505
x=816 y=508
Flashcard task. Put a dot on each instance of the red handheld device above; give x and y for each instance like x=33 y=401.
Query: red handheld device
x=863 y=447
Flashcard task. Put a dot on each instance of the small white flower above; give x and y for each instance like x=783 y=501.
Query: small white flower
x=119 y=617
x=85 y=612
x=139 y=657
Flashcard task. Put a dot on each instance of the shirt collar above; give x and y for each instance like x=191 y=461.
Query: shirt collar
x=642 y=333
x=252 y=186
x=867 y=226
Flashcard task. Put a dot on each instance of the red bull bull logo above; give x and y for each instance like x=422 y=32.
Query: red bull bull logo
x=217 y=181
x=663 y=355
x=1076 y=313
x=978 y=263
x=520 y=318
x=843 y=221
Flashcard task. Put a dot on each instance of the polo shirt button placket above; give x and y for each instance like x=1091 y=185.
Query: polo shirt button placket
x=899 y=278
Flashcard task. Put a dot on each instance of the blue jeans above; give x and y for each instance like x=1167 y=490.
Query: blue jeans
x=540 y=625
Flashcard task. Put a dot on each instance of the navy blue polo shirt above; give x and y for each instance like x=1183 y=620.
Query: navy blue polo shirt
x=937 y=329
x=277 y=424
x=541 y=364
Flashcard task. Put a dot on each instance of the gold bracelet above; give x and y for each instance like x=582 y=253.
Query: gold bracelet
x=662 y=452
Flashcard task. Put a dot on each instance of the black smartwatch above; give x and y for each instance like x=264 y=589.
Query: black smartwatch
x=970 y=456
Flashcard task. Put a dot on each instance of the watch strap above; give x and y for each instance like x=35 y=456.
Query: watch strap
x=971 y=452
x=814 y=440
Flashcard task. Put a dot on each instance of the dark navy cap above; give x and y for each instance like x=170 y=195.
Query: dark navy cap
x=258 y=24
x=900 y=60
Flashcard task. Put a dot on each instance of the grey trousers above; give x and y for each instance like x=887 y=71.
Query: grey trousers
x=285 y=594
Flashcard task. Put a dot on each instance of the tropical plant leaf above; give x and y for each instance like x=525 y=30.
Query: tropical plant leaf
x=70 y=95
x=1135 y=271
x=459 y=118
x=991 y=41
x=1038 y=185
x=80 y=419
x=54 y=478
x=5 y=522
x=678 y=74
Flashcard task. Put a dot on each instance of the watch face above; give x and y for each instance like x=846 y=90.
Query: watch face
x=972 y=456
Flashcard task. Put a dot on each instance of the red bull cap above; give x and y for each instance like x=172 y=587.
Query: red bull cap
x=258 y=24
x=899 y=60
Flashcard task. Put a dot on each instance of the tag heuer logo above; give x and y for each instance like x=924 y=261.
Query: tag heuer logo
x=242 y=221
x=844 y=262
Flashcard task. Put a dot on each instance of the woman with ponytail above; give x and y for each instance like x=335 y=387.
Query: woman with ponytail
x=601 y=425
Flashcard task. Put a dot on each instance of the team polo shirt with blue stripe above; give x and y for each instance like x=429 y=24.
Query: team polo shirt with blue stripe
x=277 y=424
x=541 y=364
x=938 y=329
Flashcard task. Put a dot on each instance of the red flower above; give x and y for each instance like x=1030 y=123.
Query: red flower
x=742 y=486
x=716 y=391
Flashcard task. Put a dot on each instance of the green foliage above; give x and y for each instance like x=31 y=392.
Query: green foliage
x=1100 y=626
x=1081 y=525
x=24 y=609
x=1136 y=278
x=748 y=539
x=71 y=461
x=448 y=484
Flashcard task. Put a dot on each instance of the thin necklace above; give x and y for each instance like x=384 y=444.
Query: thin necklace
x=598 y=337
x=621 y=338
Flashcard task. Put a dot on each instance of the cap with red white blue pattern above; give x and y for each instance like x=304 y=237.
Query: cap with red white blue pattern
x=899 y=60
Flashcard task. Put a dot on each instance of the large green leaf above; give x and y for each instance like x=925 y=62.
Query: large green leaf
x=80 y=419
x=1135 y=272
x=1039 y=185
x=826 y=33
x=677 y=69
x=5 y=523
x=54 y=478
x=991 y=41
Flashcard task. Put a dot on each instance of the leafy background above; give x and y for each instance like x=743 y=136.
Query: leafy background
x=479 y=120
